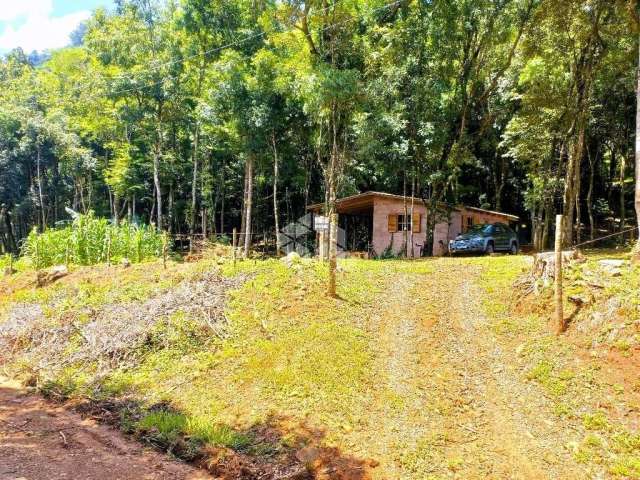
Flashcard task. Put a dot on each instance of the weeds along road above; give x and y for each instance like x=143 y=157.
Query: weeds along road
x=420 y=370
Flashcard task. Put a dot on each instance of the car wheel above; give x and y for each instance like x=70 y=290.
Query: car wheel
x=489 y=248
x=514 y=248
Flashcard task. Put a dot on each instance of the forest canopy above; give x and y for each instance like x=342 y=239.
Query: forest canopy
x=199 y=116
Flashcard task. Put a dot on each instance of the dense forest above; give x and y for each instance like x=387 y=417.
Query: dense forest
x=201 y=116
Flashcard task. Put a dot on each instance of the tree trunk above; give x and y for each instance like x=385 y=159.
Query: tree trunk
x=623 y=210
x=333 y=240
x=275 y=193
x=243 y=214
x=205 y=222
x=157 y=155
x=170 y=220
x=547 y=211
x=214 y=205
x=43 y=218
x=152 y=213
x=405 y=233
x=577 y=189
x=10 y=241
x=535 y=229
x=637 y=186
x=568 y=202
x=194 y=190
x=116 y=208
x=156 y=184
x=413 y=227
x=222 y=197
x=499 y=176
x=248 y=204
x=590 y=195
x=56 y=183
x=307 y=181
x=332 y=180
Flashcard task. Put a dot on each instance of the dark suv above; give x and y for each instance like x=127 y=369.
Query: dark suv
x=487 y=238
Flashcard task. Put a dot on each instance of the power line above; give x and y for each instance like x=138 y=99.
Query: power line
x=224 y=47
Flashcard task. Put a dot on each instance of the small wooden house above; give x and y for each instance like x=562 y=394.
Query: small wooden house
x=376 y=222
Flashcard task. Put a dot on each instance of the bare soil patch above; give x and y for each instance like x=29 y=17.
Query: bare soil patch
x=43 y=441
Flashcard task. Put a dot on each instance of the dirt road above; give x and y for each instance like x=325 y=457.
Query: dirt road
x=452 y=392
x=42 y=441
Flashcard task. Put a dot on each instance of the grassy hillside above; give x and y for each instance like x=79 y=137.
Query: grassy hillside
x=412 y=373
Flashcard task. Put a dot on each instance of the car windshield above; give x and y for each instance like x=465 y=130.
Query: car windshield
x=480 y=229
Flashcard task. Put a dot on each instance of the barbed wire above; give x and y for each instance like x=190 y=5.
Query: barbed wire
x=215 y=50
x=605 y=237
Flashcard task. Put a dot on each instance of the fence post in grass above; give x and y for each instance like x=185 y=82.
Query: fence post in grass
x=560 y=324
x=234 y=243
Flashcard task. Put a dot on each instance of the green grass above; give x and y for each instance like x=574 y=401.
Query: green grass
x=595 y=421
x=627 y=467
x=556 y=382
x=291 y=356
x=163 y=426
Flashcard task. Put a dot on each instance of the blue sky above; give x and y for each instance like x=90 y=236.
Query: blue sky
x=42 y=24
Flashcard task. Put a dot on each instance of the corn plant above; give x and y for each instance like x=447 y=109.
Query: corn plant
x=91 y=240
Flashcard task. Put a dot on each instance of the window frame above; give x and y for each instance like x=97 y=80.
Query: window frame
x=402 y=224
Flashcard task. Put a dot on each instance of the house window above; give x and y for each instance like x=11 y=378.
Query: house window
x=404 y=223
x=467 y=224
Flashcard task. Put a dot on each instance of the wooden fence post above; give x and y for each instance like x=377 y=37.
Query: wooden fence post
x=560 y=323
x=234 y=243
x=322 y=246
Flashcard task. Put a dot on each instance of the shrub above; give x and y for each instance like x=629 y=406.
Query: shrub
x=90 y=240
x=6 y=261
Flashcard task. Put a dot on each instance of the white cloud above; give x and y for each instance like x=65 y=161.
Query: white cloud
x=15 y=9
x=39 y=30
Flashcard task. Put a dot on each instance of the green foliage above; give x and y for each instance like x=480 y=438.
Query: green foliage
x=626 y=467
x=477 y=101
x=595 y=421
x=162 y=427
x=183 y=435
x=6 y=261
x=90 y=240
x=555 y=382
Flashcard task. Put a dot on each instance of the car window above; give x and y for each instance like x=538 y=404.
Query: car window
x=476 y=228
x=498 y=229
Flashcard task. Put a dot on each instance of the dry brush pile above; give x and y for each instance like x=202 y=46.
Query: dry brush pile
x=112 y=335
